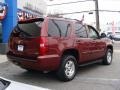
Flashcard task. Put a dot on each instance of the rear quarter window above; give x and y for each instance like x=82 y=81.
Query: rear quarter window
x=58 y=28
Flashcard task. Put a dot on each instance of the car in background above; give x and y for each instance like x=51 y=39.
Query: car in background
x=12 y=85
x=116 y=36
x=113 y=36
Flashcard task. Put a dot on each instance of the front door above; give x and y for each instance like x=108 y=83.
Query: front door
x=82 y=42
x=97 y=45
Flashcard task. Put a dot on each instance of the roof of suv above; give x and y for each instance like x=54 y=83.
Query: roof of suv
x=65 y=19
x=48 y=17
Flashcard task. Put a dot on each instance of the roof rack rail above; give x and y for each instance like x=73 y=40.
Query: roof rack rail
x=79 y=21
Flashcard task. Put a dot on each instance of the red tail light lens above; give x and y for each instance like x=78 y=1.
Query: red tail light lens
x=43 y=45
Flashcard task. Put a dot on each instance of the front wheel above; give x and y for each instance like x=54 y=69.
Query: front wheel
x=107 y=60
x=67 y=70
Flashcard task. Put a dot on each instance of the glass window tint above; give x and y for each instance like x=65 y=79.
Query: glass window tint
x=92 y=33
x=53 y=29
x=32 y=29
x=64 y=26
x=80 y=31
x=58 y=28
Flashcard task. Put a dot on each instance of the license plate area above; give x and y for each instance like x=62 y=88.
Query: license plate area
x=20 y=48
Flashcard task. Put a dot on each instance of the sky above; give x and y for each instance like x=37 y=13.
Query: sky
x=105 y=17
x=39 y=4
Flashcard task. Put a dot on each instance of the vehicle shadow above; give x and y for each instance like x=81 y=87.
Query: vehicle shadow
x=37 y=78
x=82 y=71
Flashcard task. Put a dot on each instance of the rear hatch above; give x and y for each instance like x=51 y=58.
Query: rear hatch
x=25 y=39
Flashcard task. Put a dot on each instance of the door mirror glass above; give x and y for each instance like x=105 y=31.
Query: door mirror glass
x=103 y=35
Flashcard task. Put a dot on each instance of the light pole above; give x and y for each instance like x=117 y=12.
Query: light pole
x=97 y=15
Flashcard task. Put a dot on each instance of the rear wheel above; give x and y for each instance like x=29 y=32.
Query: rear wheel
x=67 y=70
x=107 y=60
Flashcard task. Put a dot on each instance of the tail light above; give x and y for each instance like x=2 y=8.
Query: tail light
x=43 y=45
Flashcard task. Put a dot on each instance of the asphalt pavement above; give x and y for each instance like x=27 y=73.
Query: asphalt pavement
x=92 y=77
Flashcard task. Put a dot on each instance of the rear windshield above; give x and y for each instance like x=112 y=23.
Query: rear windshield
x=31 y=29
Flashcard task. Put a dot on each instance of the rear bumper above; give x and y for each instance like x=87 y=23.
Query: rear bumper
x=42 y=63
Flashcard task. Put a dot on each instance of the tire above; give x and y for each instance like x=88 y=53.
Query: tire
x=107 y=60
x=68 y=68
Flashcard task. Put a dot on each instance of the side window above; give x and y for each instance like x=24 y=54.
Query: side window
x=64 y=27
x=53 y=29
x=92 y=33
x=58 y=28
x=80 y=31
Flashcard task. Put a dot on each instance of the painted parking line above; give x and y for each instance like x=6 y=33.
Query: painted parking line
x=97 y=79
x=105 y=81
x=118 y=51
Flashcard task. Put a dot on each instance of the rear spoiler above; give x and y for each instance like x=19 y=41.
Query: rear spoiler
x=31 y=20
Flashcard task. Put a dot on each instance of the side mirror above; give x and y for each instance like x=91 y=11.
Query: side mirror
x=103 y=35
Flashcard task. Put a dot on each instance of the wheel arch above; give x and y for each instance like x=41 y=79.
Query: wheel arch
x=73 y=52
x=110 y=47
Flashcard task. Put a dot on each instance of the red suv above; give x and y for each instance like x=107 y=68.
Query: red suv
x=57 y=44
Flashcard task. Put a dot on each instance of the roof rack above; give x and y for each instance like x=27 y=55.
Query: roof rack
x=79 y=21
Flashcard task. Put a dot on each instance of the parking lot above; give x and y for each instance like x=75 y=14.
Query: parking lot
x=92 y=77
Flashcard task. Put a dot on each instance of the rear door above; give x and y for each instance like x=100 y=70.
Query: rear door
x=58 y=36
